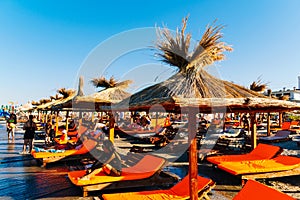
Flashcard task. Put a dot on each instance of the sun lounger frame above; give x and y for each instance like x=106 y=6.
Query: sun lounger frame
x=160 y=178
x=267 y=175
x=202 y=193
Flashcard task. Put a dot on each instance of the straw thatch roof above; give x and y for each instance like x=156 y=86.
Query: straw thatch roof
x=46 y=106
x=69 y=96
x=193 y=86
x=211 y=93
x=113 y=92
x=62 y=95
x=109 y=95
x=59 y=103
x=104 y=83
x=26 y=107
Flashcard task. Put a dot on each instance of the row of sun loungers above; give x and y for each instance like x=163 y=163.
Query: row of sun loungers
x=293 y=126
x=78 y=152
x=263 y=162
x=251 y=190
x=265 y=158
x=54 y=156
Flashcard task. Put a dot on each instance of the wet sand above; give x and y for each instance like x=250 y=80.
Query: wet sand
x=22 y=177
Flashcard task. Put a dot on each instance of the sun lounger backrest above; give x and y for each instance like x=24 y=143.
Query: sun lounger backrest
x=287 y=160
x=266 y=151
x=182 y=188
x=82 y=129
x=147 y=164
x=255 y=190
x=294 y=123
x=283 y=133
x=286 y=125
x=87 y=146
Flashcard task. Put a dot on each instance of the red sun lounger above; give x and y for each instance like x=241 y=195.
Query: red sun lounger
x=178 y=191
x=262 y=151
x=146 y=168
x=255 y=190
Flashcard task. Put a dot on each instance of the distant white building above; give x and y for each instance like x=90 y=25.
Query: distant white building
x=293 y=94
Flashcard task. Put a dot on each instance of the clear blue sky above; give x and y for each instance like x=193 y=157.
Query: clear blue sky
x=44 y=44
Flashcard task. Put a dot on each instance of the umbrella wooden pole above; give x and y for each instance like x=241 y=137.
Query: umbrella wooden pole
x=56 y=123
x=51 y=117
x=93 y=117
x=156 y=122
x=111 y=128
x=253 y=130
x=280 y=119
x=46 y=117
x=67 y=121
x=193 y=161
x=268 y=124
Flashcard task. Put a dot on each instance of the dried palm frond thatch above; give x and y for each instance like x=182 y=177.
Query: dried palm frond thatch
x=43 y=101
x=56 y=97
x=258 y=86
x=193 y=86
x=175 y=49
x=109 y=95
x=111 y=83
x=35 y=103
x=65 y=92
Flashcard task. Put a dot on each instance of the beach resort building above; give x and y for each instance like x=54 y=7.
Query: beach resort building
x=291 y=94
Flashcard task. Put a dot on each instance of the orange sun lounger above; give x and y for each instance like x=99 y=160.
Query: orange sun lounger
x=262 y=151
x=255 y=190
x=72 y=136
x=48 y=157
x=178 y=191
x=279 y=163
x=284 y=126
x=147 y=167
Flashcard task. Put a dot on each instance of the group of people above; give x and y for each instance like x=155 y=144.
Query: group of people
x=29 y=127
x=136 y=122
x=107 y=158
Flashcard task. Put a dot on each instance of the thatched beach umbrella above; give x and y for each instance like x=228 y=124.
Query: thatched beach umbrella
x=193 y=89
x=68 y=96
x=26 y=107
x=112 y=92
x=48 y=104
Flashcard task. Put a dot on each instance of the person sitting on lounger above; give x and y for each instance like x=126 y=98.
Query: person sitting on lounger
x=108 y=162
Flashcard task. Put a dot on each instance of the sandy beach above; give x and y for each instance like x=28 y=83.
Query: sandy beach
x=21 y=177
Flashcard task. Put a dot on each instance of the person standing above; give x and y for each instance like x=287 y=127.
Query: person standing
x=11 y=125
x=48 y=129
x=30 y=128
